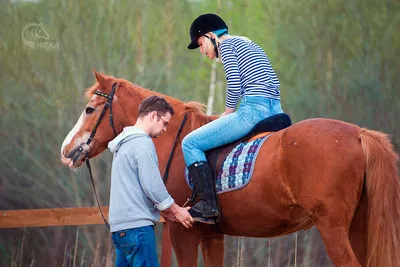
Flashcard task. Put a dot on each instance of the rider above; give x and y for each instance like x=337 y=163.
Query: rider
x=251 y=78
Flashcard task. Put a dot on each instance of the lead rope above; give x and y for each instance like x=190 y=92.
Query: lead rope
x=95 y=193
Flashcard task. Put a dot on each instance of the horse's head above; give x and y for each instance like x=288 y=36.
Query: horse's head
x=125 y=102
x=75 y=149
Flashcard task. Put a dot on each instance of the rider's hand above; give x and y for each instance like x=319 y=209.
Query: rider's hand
x=227 y=111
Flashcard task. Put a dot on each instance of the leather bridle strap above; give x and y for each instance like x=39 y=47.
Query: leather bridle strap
x=106 y=105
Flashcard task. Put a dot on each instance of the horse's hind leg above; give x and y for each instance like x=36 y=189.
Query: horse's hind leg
x=212 y=247
x=358 y=229
x=332 y=209
x=185 y=243
x=337 y=244
x=333 y=224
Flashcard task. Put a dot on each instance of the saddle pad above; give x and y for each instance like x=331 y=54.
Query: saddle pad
x=237 y=168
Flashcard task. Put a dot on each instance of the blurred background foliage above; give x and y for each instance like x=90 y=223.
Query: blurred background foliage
x=335 y=59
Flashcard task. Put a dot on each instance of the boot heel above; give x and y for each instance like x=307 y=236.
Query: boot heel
x=198 y=217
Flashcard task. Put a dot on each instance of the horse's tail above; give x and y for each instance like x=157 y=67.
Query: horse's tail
x=383 y=192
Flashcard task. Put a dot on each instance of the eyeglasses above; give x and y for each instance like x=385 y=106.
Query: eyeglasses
x=164 y=121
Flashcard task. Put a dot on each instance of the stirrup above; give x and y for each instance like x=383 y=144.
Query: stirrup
x=198 y=217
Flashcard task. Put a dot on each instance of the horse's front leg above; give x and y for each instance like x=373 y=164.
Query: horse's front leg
x=185 y=243
x=212 y=246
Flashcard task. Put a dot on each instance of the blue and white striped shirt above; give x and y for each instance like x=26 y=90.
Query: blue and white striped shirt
x=248 y=71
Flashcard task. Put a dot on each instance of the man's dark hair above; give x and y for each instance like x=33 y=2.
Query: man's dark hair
x=155 y=103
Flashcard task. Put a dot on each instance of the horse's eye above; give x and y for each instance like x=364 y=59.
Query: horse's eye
x=89 y=110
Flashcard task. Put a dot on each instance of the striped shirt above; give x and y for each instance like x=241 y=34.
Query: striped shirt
x=248 y=71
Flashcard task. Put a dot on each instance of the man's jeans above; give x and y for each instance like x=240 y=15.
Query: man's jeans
x=135 y=247
x=229 y=128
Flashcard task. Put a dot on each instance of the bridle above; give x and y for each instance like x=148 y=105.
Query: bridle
x=103 y=112
x=81 y=150
x=106 y=105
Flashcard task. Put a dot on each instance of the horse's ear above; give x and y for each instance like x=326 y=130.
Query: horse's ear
x=99 y=76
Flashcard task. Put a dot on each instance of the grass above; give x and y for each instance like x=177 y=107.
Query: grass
x=82 y=247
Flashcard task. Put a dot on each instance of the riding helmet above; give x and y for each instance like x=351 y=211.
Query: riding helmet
x=204 y=24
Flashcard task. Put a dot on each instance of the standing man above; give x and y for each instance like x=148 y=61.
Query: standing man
x=138 y=193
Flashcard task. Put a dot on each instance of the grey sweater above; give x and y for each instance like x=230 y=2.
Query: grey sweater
x=137 y=190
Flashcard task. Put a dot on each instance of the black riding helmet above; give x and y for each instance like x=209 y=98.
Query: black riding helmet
x=204 y=24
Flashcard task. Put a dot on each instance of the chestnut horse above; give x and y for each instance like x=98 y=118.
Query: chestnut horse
x=335 y=175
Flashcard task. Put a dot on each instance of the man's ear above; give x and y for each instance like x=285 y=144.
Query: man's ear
x=153 y=115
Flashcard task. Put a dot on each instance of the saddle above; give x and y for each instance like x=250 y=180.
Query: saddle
x=277 y=122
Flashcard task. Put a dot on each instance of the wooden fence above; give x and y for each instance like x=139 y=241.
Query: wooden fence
x=70 y=217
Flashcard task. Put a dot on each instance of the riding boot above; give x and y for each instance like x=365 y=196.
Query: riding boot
x=206 y=210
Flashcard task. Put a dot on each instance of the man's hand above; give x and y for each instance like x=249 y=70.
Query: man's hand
x=178 y=214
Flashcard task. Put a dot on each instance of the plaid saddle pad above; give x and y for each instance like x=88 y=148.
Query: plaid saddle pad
x=237 y=168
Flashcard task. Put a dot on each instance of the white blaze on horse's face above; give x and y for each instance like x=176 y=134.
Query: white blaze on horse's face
x=76 y=140
x=71 y=134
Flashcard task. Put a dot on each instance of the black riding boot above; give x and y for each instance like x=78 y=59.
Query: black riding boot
x=206 y=210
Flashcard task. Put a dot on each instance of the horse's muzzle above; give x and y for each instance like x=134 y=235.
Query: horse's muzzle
x=76 y=156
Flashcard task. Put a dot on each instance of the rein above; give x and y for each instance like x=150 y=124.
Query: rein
x=171 y=155
x=81 y=150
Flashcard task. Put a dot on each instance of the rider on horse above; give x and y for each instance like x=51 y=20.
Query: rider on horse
x=251 y=78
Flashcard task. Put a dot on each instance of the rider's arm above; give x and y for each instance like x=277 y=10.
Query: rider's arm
x=231 y=67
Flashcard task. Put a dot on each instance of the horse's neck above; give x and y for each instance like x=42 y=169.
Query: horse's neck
x=166 y=142
x=128 y=109
x=129 y=103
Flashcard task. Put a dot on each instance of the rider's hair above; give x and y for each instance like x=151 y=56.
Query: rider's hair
x=155 y=103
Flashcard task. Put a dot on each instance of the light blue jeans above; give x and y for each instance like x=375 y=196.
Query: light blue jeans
x=229 y=128
x=135 y=247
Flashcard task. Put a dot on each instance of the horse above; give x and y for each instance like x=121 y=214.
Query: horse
x=332 y=174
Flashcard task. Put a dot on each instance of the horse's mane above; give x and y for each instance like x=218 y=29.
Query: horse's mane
x=195 y=110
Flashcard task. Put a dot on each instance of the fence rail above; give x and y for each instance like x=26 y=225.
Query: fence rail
x=70 y=217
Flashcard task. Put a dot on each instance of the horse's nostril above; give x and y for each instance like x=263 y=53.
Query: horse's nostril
x=71 y=154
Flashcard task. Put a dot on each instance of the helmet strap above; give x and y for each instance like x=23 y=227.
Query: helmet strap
x=215 y=45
